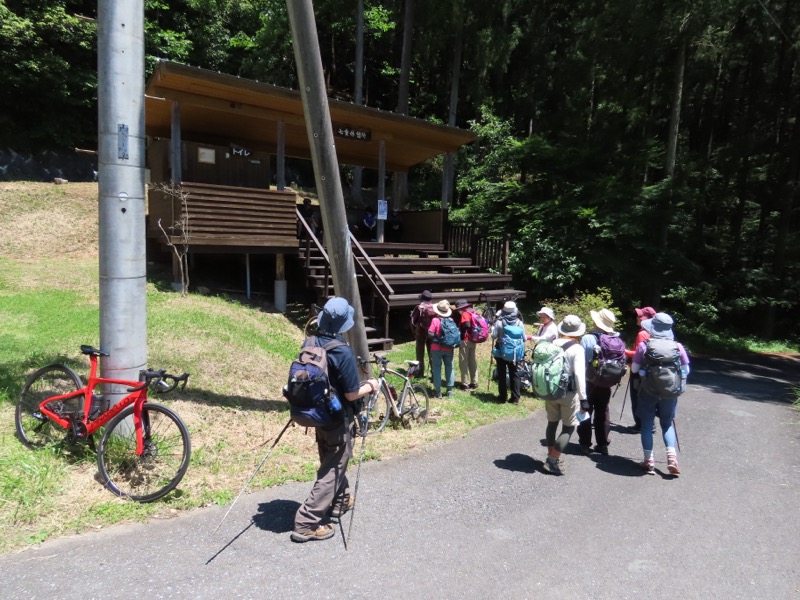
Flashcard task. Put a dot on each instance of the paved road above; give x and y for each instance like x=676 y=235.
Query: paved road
x=478 y=518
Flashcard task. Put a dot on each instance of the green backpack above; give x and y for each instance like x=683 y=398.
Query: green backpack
x=550 y=378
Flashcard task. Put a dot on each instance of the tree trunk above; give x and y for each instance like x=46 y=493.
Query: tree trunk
x=358 y=92
x=400 y=187
x=447 y=175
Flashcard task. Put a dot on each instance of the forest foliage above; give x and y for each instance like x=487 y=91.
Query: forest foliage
x=651 y=148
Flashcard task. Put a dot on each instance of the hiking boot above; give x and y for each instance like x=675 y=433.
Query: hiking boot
x=473 y=386
x=463 y=387
x=673 y=466
x=601 y=449
x=323 y=532
x=343 y=507
x=449 y=392
x=585 y=450
x=649 y=467
x=553 y=465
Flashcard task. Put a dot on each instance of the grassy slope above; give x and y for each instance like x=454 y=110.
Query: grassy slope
x=238 y=356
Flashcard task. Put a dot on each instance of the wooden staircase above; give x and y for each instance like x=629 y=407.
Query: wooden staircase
x=392 y=275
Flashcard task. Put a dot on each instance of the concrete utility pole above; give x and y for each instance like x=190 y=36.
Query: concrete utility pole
x=326 y=165
x=121 y=146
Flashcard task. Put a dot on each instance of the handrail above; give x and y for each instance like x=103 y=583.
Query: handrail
x=311 y=237
x=368 y=260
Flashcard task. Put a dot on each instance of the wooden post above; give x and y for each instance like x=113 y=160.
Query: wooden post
x=281 y=156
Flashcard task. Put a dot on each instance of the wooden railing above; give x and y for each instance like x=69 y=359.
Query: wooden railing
x=486 y=252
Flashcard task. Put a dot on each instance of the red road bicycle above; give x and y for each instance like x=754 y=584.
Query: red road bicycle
x=143 y=460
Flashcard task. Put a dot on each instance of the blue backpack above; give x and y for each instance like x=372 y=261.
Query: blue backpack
x=511 y=347
x=309 y=390
x=450 y=336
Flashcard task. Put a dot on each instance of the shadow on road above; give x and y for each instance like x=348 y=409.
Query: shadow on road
x=276 y=515
x=755 y=377
x=519 y=463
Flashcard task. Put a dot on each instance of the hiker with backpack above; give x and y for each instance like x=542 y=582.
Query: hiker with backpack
x=559 y=367
x=421 y=318
x=445 y=337
x=508 y=332
x=474 y=330
x=330 y=495
x=605 y=366
x=663 y=366
x=548 y=329
x=646 y=312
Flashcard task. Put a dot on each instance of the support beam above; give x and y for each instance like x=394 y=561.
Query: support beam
x=281 y=156
x=381 y=183
x=280 y=283
x=175 y=149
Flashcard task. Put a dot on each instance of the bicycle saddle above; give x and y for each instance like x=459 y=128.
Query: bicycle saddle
x=92 y=351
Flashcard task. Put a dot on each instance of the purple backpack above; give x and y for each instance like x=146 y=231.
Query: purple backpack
x=609 y=364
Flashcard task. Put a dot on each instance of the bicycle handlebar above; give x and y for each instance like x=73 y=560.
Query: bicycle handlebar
x=159 y=381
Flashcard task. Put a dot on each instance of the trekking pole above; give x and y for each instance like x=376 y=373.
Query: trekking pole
x=677 y=439
x=362 y=425
x=625 y=396
x=249 y=481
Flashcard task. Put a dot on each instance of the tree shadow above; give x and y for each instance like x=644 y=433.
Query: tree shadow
x=754 y=377
x=14 y=374
x=520 y=463
x=276 y=515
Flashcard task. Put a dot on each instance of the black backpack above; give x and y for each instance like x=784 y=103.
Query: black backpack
x=308 y=389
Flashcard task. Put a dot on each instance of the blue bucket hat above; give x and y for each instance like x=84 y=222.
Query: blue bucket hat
x=660 y=326
x=336 y=316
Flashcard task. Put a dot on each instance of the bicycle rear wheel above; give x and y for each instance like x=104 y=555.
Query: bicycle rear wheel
x=162 y=465
x=377 y=410
x=415 y=407
x=34 y=429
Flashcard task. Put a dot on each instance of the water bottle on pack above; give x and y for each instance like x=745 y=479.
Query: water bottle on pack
x=334 y=405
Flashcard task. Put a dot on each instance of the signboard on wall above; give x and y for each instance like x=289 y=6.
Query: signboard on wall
x=383 y=210
x=239 y=151
x=351 y=132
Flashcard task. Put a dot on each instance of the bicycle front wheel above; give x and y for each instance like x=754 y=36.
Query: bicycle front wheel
x=33 y=428
x=377 y=410
x=161 y=466
x=415 y=407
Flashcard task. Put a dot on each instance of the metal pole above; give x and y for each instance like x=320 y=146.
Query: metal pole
x=326 y=165
x=281 y=157
x=358 y=92
x=121 y=206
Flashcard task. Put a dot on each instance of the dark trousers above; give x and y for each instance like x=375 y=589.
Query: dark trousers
x=599 y=399
x=636 y=381
x=504 y=366
x=423 y=343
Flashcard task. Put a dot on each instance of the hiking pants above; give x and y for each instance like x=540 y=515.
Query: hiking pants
x=504 y=366
x=599 y=398
x=437 y=358
x=467 y=362
x=635 y=382
x=666 y=408
x=335 y=446
x=423 y=342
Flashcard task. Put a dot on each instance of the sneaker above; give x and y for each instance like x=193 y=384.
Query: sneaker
x=514 y=401
x=323 y=532
x=450 y=392
x=673 y=466
x=553 y=465
x=343 y=508
x=585 y=450
x=463 y=386
x=601 y=449
x=473 y=386
x=649 y=467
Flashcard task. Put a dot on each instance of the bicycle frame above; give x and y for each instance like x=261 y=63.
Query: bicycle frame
x=137 y=398
x=383 y=369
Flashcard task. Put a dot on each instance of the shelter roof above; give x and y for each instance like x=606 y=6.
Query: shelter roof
x=224 y=109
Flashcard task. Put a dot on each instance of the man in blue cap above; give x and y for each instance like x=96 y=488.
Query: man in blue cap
x=330 y=496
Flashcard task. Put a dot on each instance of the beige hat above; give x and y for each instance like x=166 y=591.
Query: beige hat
x=442 y=308
x=604 y=319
